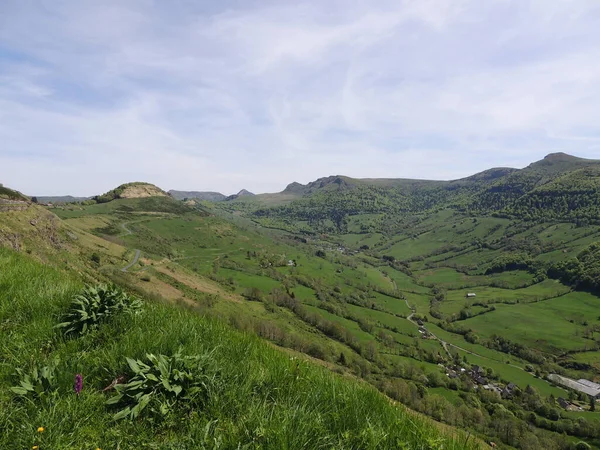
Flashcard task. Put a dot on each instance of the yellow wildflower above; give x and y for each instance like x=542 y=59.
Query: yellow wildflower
x=41 y=429
x=35 y=447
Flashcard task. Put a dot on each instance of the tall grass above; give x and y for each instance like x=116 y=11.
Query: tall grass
x=263 y=399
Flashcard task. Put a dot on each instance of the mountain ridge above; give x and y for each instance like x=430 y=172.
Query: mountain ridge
x=199 y=195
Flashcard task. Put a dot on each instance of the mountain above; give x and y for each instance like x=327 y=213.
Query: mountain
x=423 y=289
x=165 y=318
x=132 y=190
x=512 y=194
x=209 y=196
x=242 y=194
x=558 y=187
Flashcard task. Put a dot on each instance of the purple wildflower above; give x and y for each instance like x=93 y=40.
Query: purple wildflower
x=78 y=383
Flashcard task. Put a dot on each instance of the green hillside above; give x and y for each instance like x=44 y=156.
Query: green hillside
x=410 y=286
x=9 y=194
x=250 y=395
x=559 y=187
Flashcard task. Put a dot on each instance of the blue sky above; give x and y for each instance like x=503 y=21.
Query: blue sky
x=204 y=95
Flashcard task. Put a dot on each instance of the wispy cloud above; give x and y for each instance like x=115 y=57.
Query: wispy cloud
x=225 y=95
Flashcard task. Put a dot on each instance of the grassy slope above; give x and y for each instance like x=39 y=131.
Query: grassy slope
x=263 y=399
x=196 y=242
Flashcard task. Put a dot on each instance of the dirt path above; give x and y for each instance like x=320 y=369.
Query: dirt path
x=127 y=230
x=138 y=253
x=132 y=263
x=409 y=318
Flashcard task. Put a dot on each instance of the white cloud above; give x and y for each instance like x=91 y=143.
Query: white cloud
x=192 y=95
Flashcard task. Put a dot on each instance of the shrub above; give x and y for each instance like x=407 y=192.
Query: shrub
x=253 y=294
x=95 y=258
x=96 y=304
x=37 y=382
x=163 y=383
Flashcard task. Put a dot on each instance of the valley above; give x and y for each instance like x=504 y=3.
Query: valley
x=456 y=299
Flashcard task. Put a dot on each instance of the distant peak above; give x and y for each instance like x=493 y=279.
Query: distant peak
x=132 y=190
x=560 y=156
x=244 y=192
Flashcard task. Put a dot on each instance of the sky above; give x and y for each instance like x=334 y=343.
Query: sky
x=206 y=95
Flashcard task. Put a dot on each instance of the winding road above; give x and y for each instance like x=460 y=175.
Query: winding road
x=132 y=263
x=138 y=253
x=444 y=343
x=127 y=230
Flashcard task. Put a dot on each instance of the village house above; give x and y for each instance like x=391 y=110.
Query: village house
x=508 y=390
x=477 y=375
x=492 y=388
x=564 y=404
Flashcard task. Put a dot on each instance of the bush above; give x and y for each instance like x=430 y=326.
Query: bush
x=253 y=294
x=96 y=305
x=163 y=383
x=37 y=382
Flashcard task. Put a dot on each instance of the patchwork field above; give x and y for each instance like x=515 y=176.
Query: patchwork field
x=344 y=298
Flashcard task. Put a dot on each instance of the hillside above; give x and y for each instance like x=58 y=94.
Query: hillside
x=243 y=194
x=559 y=187
x=60 y=199
x=209 y=196
x=251 y=395
x=7 y=194
x=460 y=314
x=132 y=190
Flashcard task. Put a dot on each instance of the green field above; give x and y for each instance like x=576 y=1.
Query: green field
x=551 y=326
x=250 y=385
x=333 y=271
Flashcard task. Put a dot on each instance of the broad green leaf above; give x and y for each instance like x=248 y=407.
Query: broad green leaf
x=19 y=390
x=114 y=400
x=133 y=365
x=122 y=414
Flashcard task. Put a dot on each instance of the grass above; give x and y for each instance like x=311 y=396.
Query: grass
x=261 y=398
x=385 y=319
x=514 y=375
x=551 y=326
x=187 y=248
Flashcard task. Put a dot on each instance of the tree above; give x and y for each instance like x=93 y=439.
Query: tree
x=253 y=294
x=592 y=403
x=95 y=258
x=342 y=359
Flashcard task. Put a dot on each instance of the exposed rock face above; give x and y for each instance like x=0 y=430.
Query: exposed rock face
x=142 y=191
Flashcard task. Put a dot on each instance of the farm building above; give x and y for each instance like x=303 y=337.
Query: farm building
x=583 y=386
x=590 y=384
x=471 y=295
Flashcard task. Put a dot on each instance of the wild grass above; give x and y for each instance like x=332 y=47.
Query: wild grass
x=263 y=398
